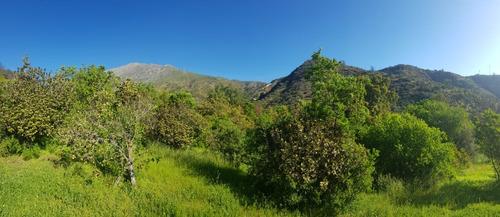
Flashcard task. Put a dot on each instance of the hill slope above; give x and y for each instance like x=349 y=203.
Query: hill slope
x=411 y=83
x=173 y=79
x=490 y=83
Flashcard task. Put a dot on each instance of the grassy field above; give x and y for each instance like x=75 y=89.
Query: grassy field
x=190 y=183
x=172 y=183
x=473 y=193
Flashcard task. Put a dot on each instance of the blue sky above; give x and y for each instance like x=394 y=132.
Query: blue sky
x=252 y=39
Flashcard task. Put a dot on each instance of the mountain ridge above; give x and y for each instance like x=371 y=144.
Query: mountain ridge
x=410 y=82
x=173 y=79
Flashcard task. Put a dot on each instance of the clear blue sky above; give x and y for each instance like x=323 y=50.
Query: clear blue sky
x=252 y=39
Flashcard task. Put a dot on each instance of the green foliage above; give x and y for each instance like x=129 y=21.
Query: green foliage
x=225 y=137
x=410 y=150
x=454 y=121
x=31 y=152
x=473 y=193
x=488 y=136
x=336 y=97
x=108 y=131
x=10 y=145
x=35 y=103
x=308 y=157
x=305 y=163
x=89 y=80
x=379 y=96
x=176 y=122
x=226 y=92
x=227 y=123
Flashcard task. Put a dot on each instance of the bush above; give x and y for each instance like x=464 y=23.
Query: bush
x=454 y=121
x=225 y=137
x=30 y=153
x=303 y=164
x=410 y=150
x=10 y=146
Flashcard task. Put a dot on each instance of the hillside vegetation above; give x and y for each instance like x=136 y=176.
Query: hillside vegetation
x=490 y=83
x=412 y=84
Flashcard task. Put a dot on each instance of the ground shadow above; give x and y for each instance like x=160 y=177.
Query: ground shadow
x=239 y=182
x=459 y=194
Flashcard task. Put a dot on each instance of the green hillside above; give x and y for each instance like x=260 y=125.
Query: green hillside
x=172 y=79
x=411 y=83
x=490 y=83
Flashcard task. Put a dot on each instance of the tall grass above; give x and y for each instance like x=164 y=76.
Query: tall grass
x=473 y=193
x=170 y=183
x=198 y=183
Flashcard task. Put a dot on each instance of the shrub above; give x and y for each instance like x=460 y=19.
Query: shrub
x=488 y=136
x=454 y=121
x=303 y=164
x=9 y=146
x=30 y=153
x=410 y=150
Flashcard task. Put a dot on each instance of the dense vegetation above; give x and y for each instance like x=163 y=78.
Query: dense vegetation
x=89 y=136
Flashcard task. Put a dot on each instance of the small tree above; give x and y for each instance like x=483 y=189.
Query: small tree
x=176 y=122
x=35 y=102
x=488 y=136
x=309 y=157
x=107 y=132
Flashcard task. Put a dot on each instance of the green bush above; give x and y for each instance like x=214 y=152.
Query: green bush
x=31 y=152
x=410 y=150
x=454 y=121
x=303 y=164
x=10 y=146
x=225 y=137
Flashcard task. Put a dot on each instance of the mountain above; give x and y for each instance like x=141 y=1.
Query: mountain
x=490 y=83
x=6 y=73
x=411 y=83
x=173 y=79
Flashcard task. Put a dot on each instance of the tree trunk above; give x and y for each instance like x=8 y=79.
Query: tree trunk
x=130 y=168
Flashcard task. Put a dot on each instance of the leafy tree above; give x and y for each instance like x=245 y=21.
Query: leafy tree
x=176 y=122
x=410 y=150
x=379 y=97
x=336 y=97
x=35 y=102
x=305 y=163
x=226 y=114
x=108 y=132
x=308 y=157
x=454 y=121
x=488 y=137
x=88 y=80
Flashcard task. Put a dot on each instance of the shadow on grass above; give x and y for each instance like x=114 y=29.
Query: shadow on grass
x=459 y=194
x=219 y=172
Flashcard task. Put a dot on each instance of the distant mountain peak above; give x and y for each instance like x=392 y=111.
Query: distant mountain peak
x=174 y=79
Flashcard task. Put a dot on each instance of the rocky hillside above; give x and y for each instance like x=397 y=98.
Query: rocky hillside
x=173 y=79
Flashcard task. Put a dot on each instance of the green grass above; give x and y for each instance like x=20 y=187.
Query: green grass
x=197 y=183
x=170 y=183
x=475 y=192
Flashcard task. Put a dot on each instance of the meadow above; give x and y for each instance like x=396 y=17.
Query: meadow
x=199 y=183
